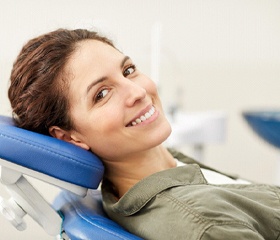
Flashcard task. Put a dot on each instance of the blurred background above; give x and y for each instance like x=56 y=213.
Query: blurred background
x=204 y=55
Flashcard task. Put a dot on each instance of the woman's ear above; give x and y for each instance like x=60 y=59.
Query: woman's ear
x=67 y=136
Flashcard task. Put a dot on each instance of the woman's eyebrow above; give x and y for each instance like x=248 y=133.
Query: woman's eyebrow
x=95 y=82
x=102 y=79
x=124 y=61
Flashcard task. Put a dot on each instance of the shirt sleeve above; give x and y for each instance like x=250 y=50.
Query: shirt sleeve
x=231 y=232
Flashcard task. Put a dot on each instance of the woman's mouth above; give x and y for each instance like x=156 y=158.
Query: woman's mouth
x=143 y=117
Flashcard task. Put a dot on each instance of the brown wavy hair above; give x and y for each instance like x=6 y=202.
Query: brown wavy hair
x=39 y=83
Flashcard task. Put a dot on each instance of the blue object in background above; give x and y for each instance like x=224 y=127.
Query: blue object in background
x=266 y=124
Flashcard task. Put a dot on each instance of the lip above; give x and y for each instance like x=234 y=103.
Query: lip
x=142 y=112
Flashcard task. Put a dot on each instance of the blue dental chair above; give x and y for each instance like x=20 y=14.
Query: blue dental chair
x=77 y=211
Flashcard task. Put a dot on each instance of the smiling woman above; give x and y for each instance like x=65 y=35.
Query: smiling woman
x=76 y=86
x=107 y=94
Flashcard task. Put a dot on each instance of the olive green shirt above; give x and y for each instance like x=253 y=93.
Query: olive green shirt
x=179 y=204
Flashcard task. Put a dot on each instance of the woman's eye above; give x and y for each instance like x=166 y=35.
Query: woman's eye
x=129 y=70
x=101 y=95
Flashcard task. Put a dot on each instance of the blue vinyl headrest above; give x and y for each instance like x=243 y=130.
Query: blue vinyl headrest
x=49 y=155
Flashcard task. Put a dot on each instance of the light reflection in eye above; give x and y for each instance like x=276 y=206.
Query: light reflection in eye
x=101 y=95
x=129 y=70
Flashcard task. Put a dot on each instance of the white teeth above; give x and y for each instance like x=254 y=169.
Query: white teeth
x=144 y=117
x=152 y=111
x=147 y=115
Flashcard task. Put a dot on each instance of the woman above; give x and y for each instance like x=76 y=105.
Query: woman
x=76 y=86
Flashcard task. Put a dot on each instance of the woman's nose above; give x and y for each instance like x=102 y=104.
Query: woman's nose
x=134 y=93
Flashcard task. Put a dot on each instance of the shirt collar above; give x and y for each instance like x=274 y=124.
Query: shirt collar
x=142 y=192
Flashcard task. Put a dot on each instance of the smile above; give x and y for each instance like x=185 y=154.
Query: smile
x=143 y=117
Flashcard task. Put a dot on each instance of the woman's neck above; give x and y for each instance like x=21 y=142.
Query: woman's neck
x=125 y=173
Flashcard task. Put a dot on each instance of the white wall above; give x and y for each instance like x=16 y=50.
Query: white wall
x=221 y=54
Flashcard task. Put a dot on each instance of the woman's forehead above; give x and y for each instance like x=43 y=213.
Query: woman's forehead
x=94 y=48
x=93 y=54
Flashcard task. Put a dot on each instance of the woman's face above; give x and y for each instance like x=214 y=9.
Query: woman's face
x=115 y=108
